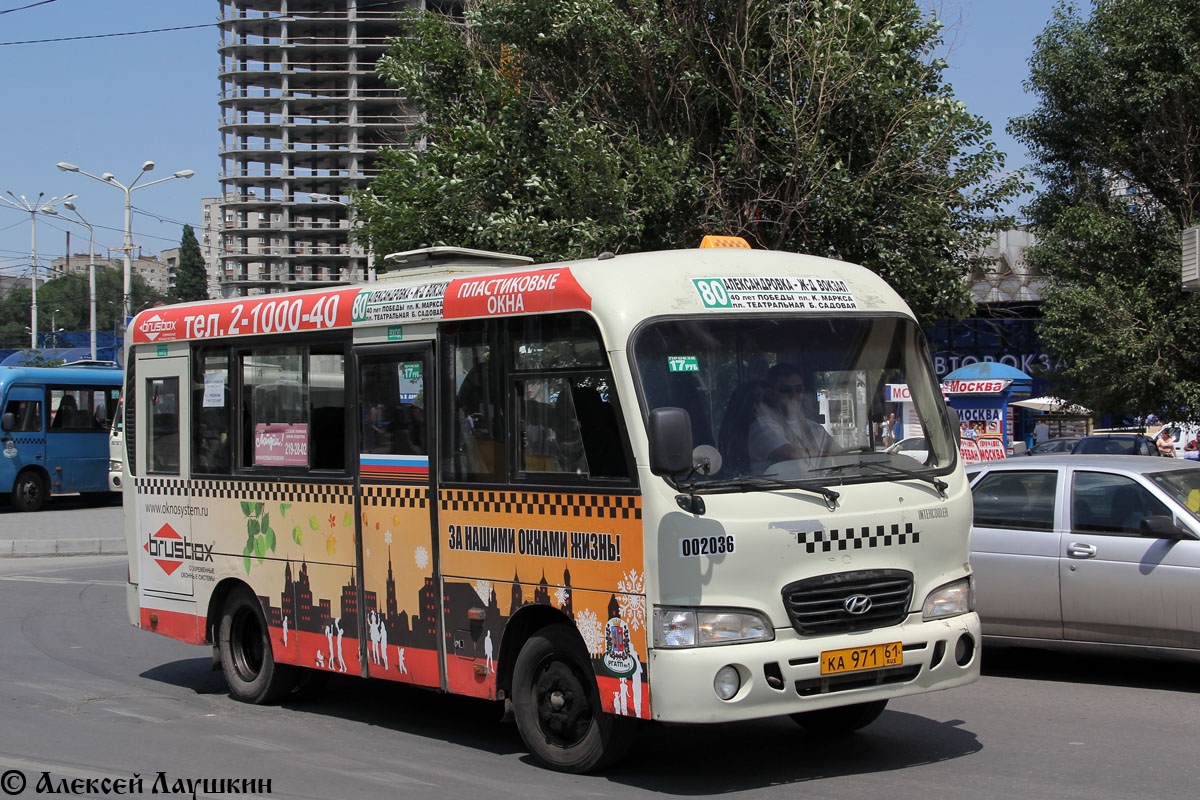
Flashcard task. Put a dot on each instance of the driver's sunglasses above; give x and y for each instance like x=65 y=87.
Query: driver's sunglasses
x=790 y=388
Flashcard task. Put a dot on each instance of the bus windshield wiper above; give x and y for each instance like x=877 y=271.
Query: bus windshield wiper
x=937 y=482
x=748 y=482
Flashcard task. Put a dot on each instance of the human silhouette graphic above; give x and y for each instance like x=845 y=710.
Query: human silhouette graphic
x=487 y=651
x=285 y=626
x=337 y=623
x=400 y=661
x=329 y=637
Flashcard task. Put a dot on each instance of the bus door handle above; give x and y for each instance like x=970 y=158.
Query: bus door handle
x=1077 y=550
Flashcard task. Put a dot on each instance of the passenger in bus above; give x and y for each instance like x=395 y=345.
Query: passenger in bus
x=64 y=415
x=781 y=429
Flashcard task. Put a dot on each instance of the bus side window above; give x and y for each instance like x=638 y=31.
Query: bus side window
x=474 y=404
x=27 y=413
x=162 y=445
x=212 y=412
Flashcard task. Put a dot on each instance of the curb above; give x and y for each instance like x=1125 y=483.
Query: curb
x=22 y=548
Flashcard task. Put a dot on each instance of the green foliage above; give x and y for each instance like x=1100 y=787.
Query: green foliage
x=65 y=300
x=560 y=130
x=191 y=278
x=1119 y=98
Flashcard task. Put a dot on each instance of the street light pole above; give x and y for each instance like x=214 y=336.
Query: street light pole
x=127 y=247
x=91 y=267
x=32 y=207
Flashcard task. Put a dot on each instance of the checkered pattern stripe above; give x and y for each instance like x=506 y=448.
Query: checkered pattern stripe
x=396 y=496
x=857 y=538
x=258 y=491
x=554 y=504
x=29 y=439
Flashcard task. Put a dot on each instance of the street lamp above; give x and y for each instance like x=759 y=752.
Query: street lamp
x=91 y=265
x=127 y=247
x=33 y=207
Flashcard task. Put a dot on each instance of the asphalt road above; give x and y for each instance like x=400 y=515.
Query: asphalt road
x=83 y=695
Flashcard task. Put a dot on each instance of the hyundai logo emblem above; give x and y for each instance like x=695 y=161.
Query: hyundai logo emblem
x=857 y=604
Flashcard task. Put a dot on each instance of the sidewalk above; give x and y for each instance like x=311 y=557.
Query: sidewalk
x=64 y=527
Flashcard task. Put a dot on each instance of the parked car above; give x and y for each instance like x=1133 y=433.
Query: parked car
x=916 y=447
x=1088 y=549
x=1117 y=444
x=1063 y=444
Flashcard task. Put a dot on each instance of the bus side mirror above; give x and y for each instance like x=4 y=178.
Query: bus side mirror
x=670 y=441
x=8 y=422
x=101 y=417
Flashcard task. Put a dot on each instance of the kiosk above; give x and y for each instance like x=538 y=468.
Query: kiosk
x=980 y=394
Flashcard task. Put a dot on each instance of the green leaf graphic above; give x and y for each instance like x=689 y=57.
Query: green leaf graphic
x=297 y=536
x=312 y=523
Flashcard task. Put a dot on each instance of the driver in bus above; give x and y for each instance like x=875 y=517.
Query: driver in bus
x=781 y=430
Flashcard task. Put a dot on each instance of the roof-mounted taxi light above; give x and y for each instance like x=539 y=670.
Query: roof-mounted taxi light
x=724 y=241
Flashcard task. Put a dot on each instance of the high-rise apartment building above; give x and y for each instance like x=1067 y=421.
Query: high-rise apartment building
x=302 y=117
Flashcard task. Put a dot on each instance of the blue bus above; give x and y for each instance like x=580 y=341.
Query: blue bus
x=55 y=431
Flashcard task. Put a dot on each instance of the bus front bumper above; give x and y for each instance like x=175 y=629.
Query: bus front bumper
x=783 y=676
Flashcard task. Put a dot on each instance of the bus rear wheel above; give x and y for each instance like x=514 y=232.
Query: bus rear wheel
x=246 y=658
x=29 y=491
x=557 y=705
x=841 y=720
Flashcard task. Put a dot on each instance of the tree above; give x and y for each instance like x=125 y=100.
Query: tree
x=819 y=126
x=1114 y=138
x=191 y=278
x=67 y=297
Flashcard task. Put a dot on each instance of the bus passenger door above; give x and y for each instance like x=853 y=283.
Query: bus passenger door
x=24 y=446
x=169 y=553
x=401 y=595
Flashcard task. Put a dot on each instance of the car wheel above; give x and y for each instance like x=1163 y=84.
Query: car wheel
x=29 y=491
x=841 y=720
x=246 y=657
x=557 y=705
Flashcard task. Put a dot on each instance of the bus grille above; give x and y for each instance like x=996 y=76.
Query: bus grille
x=817 y=606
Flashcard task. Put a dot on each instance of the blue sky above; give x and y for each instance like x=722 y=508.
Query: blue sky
x=108 y=104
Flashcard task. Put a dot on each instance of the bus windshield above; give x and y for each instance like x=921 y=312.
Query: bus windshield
x=826 y=400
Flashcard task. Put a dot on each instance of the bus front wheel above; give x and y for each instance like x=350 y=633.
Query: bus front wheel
x=246 y=658
x=29 y=491
x=841 y=720
x=557 y=705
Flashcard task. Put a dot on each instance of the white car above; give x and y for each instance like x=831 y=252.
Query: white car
x=915 y=447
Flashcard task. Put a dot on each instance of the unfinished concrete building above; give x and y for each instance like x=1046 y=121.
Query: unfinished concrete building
x=302 y=116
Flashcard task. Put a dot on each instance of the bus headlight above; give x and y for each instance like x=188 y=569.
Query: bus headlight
x=701 y=627
x=950 y=600
x=114 y=466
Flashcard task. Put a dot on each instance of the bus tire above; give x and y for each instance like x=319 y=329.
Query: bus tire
x=249 y=666
x=842 y=720
x=29 y=491
x=557 y=705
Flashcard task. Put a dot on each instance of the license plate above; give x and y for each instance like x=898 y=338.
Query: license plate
x=853 y=659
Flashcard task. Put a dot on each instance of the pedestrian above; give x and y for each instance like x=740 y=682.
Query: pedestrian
x=1166 y=444
x=1041 y=432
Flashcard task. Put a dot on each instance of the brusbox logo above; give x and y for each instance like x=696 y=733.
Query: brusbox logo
x=156 y=326
x=169 y=550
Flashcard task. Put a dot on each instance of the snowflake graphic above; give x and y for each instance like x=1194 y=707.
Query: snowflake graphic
x=422 y=557
x=591 y=631
x=632 y=601
x=561 y=595
x=484 y=590
x=387 y=538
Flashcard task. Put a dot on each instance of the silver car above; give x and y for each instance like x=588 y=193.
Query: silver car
x=1094 y=549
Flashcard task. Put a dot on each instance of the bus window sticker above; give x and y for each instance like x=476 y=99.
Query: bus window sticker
x=683 y=364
